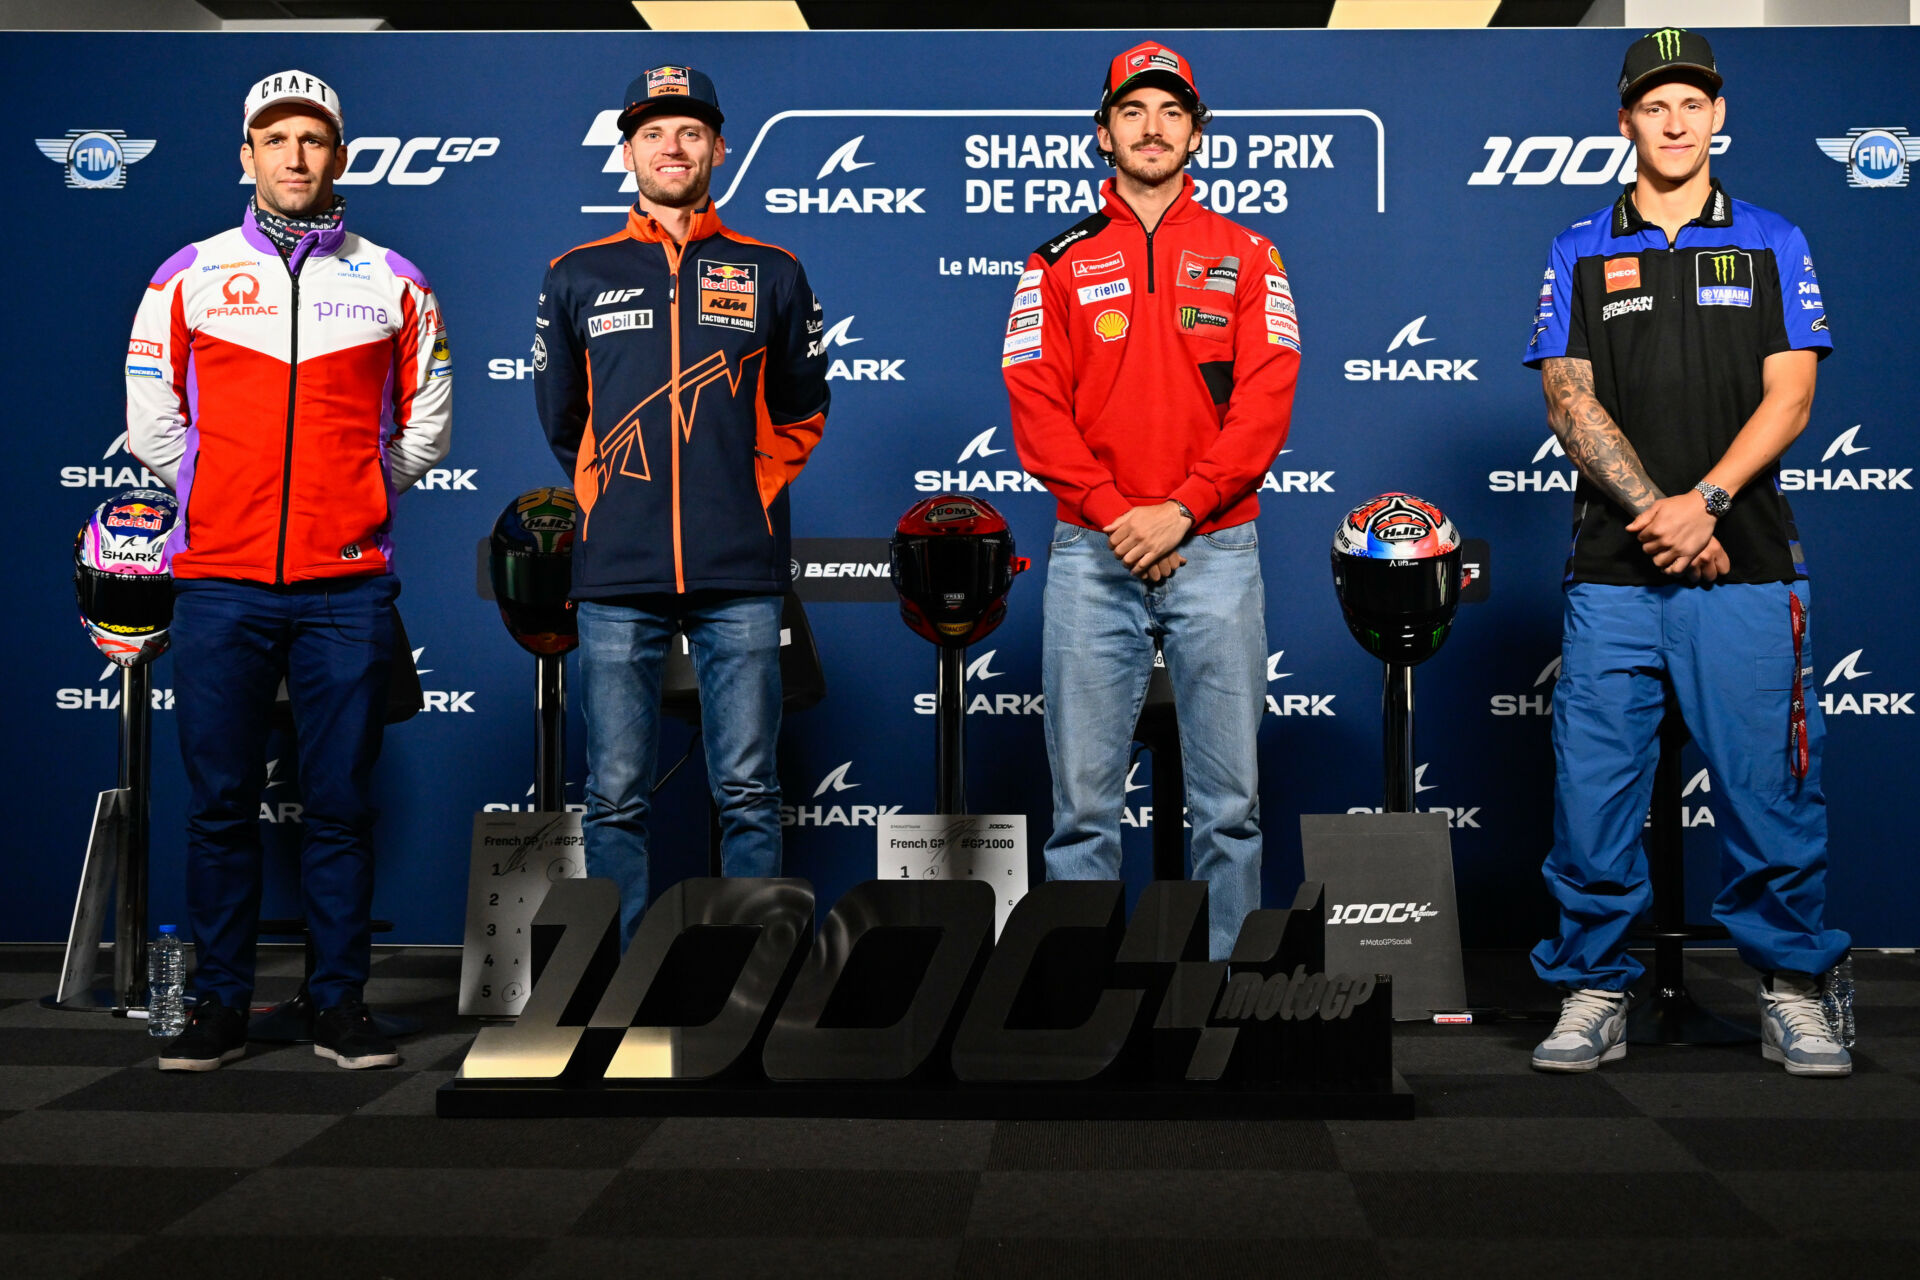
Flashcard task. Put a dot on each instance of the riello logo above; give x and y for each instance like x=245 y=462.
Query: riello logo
x=984 y=703
x=1845 y=702
x=826 y=813
x=1844 y=446
x=105 y=695
x=1457 y=818
x=1001 y=479
x=110 y=475
x=1536 y=479
x=1294 y=704
x=1537 y=703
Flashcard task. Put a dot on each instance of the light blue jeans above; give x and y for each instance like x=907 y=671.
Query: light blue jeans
x=735 y=642
x=1100 y=625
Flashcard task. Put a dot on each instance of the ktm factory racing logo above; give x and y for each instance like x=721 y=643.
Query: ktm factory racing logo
x=727 y=294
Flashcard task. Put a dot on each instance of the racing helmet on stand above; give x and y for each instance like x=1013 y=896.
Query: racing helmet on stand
x=1396 y=568
x=530 y=563
x=953 y=564
x=123 y=574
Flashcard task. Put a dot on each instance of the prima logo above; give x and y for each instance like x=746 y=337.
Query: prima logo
x=1410 y=370
x=1457 y=817
x=863 y=370
x=844 y=199
x=986 y=704
x=1869 y=479
x=1535 y=479
x=95 y=159
x=1529 y=704
x=1005 y=480
x=441 y=700
x=105 y=695
x=1845 y=703
x=1546 y=158
x=1881 y=156
x=835 y=815
x=1294 y=704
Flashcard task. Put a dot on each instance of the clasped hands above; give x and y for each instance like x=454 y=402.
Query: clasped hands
x=1145 y=540
x=1677 y=533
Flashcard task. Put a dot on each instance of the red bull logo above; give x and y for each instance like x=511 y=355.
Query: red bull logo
x=137 y=515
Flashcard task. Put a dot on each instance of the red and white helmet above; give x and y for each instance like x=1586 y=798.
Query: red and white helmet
x=953 y=565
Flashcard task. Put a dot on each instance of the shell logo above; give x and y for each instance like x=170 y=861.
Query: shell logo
x=1273 y=256
x=1110 y=325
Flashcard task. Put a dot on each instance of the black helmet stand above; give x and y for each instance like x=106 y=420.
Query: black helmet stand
x=950 y=734
x=116 y=864
x=1396 y=706
x=550 y=733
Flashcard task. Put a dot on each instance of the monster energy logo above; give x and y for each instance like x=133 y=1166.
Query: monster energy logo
x=1188 y=315
x=1667 y=40
x=1723 y=272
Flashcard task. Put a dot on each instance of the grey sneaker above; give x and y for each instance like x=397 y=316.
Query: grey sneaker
x=1794 y=1030
x=1592 y=1030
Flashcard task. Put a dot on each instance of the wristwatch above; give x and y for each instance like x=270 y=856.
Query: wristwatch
x=1182 y=508
x=1718 y=499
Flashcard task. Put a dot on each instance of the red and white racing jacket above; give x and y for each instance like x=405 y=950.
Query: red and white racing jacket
x=287 y=400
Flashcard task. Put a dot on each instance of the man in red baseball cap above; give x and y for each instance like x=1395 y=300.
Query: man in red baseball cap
x=1150 y=358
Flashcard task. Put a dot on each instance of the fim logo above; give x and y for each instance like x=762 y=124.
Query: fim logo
x=1860 y=704
x=1529 y=704
x=95 y=159
x=863 y=370
x=1002 y=480
x=1845 y=445
x=986 y=704
x=107 y=699
x=1692 y=815
x=1410 y=370
x=110 y=477
x=1294 y=704
x=834 y=815
x=1875 y=157
x=1456 y=818
x=1536 y=480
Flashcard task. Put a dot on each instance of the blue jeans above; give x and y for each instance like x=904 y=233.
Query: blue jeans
x=735 y=641
x=1097 y=656
x=233 y=642
x=1728 y=653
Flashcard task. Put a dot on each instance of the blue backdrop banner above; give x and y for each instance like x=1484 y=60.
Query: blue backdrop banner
x=1413 y=181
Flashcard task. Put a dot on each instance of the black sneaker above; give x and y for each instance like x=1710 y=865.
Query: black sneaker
x=346 y=1034
x=215 y=1036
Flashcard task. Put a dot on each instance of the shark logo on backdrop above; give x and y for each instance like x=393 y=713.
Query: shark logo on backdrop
x=1294 y=704
x=866 y=369
x=1536 y=703
x=1866 y=479
x=1297 y=481
x=1458 y=817
x=1536 y=479
x=830 y=814
x=1847 y=703
x=443 y=700
x=279 y=811
x=981 y=447
x=843 y=199
x=983 y=703
x=110 y=477
x=105 y=695
x=1410 y=370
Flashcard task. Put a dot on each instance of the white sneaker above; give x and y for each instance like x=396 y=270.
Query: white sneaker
x=1794 y=1029
x=1592 y=1030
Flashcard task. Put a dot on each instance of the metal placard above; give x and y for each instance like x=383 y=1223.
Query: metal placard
x=1390 y=904
x=516 y=857
x=991 y=847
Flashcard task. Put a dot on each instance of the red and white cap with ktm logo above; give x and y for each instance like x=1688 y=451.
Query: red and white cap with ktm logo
x=1149 y=63
x=292 y=86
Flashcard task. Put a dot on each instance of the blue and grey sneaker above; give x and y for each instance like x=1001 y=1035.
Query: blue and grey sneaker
x=1592 y=1030
x=1795 y=1030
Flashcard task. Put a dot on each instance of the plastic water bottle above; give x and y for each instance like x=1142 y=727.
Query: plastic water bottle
x=166 y=984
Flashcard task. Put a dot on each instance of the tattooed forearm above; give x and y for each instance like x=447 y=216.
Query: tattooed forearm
x=1590 y=436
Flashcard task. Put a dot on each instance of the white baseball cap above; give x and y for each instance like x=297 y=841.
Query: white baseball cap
x=293 y=86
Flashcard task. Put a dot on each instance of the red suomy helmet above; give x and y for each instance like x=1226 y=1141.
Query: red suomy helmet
x=953 y=564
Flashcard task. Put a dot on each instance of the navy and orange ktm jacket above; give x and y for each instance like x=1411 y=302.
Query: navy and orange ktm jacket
x=682 y=387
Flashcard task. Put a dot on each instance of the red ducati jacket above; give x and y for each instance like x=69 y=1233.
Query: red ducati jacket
x=1143 y=366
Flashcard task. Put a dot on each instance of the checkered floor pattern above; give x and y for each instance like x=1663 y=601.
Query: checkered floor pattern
x=1674 y=1162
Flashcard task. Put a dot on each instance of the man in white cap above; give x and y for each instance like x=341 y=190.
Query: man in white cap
x=288 y=378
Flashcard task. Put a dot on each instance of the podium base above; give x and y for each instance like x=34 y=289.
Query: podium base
x=85 y=1002
x=1672 y=1017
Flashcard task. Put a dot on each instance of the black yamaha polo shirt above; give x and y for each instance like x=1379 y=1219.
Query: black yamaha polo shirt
x=1677 y=335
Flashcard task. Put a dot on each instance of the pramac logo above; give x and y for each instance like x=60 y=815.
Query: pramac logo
x=241 y=292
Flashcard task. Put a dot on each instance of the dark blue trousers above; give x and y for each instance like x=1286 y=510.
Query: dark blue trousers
x=233 y=643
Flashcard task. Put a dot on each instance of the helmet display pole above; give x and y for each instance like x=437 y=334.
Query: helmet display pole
x=550 y=733
x=1396 y=703
x=950 y=733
